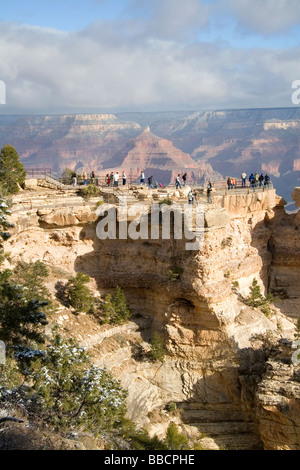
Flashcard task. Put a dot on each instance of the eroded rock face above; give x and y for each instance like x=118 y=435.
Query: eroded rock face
x=193 y=299
x=278 y=397
x=296 y=196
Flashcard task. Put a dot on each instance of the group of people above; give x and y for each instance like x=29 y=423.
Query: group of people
x=83 y=178
x=112 y=179
x=255 y=180
x=151 y=182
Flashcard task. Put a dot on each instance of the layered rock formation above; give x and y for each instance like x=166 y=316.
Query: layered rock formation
x=216 y=344
x=225 y=142
x=158 y=157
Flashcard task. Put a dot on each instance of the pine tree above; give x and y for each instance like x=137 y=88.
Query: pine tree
x=115 y=309
x=158 y=351
x=12 y=173
x=79 y=295
x=71 y=394
x=175 y=440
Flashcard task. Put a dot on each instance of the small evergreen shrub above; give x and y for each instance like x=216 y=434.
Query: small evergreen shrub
x=79 y=295
x=167 y=201
x=69 y=393
x=174 y=440
x=32 y=276
x=157 y=352
x=114 y=308
x=257 y=300
x=88 y=191
x=175 y=273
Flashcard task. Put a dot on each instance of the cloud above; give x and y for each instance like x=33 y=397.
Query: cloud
x=143 y=62
x=265 y=16
x=172 y=19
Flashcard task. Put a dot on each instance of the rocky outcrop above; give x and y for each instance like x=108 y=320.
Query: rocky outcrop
x=193 y=299
x=158 y=157
x=296 y=196
x=278 y=401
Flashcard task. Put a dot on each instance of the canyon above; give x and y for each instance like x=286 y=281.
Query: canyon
x=227 y=373
x=205 y=144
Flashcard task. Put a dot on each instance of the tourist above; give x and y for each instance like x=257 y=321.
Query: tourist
x=209 y=191
x=92 y=176
x=233 y=183
x=107 y=179
x=142 y=177
x=184 y=179
x=261 y=180
x=251 y=180
x=190 y=197
x=150 y=182
x=74 y=180
x=116 y=179
x=112 y=178
x=229 y=182
x=256 y=179
x=177 y=182
x=124 y=178
x=267 y=180
x=244 y=176
x=84 y=177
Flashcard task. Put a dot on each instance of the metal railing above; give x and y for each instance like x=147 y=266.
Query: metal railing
x=100 y=181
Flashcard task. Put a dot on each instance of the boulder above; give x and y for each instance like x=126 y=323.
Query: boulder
x=31 y=184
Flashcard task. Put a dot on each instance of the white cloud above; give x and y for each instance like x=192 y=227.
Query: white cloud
x=141 y=63
x=265 y=16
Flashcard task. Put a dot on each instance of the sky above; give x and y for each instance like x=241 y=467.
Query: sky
x=66 y=56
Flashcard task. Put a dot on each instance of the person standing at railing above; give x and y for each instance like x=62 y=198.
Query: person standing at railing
x=124 y=178
x=208 y=192
x=92 y=176
x=251 y=180
x=184 y=179
x=84 y=177
x=244 y=176
x=267 y=180
x=116 y=179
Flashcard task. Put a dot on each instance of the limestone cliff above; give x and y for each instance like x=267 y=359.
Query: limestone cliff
x=216 y=344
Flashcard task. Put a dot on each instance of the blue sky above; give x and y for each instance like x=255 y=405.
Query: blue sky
x=65 y=15
x=111 y=55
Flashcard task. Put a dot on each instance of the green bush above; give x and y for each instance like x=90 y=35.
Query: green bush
x=167 y=201
x=114 y=308
x=257 y=300
x=79 y=295
x=12 y=173
x=69 y=394
x=175 y=273
x=175 y=440
x=157 y=352
x=67 y=176
x=32 y=277
x=88 y=191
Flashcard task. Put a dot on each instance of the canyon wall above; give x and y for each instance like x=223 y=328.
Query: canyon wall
x=215 y=343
